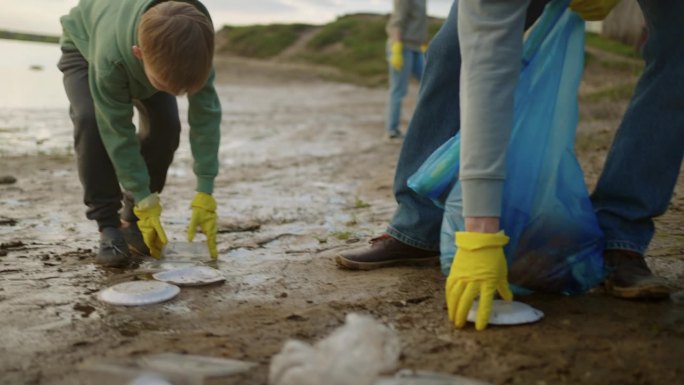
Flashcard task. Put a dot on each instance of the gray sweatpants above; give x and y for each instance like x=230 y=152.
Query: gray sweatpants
x=158 y=132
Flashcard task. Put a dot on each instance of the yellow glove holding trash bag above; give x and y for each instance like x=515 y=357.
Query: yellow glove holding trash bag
x=148 y=212
x=479 y=268
x=204 y=216
x=397 y=55
x=593 y=10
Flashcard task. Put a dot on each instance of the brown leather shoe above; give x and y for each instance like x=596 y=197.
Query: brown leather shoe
x=629 y=277
x=386 y=251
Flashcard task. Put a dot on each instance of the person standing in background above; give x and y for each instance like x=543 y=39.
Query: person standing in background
x=407 y=40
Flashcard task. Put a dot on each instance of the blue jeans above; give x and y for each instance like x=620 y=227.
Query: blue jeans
x=644 y=161
x=399 y=82
x=417 y=220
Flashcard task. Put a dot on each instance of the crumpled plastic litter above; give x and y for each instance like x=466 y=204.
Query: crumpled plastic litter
x=421 y=377
x=354 y=354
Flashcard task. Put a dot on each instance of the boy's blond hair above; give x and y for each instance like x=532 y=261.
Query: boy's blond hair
x=177 y=43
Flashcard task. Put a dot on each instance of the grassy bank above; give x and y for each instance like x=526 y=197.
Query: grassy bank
x=354 y=44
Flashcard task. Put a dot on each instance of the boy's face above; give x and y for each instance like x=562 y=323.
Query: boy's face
x=150 y=73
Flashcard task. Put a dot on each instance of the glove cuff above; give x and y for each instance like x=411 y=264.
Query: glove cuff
x=149 y=202
x=476 y=241
x=204 y=201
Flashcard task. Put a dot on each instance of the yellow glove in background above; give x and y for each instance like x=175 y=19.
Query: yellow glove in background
x=479 y=267
x=397 y=57
x=423 y=48
x=148 y=212
x=204 y=216
x=593 y=10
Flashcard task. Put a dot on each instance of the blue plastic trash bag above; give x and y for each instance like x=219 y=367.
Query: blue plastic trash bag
x=556 y=244
x=437 y=175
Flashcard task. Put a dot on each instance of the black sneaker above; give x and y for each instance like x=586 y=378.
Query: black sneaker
x=113 y=248
x=386 y=251
x=134 y=239
x=395 y=135
x=629 y=277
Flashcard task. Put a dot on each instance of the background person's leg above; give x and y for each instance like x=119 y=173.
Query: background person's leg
x=418 y=65
x=399 y=80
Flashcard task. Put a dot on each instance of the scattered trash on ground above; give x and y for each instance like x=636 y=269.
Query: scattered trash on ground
x=508 y=313
x=413 y=377
x=190 y=276
x=138 y=293
x=354 y=354
x=181 y=264
x=162 y=369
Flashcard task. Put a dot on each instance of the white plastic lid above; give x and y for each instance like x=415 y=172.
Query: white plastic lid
x=190 y=276
x=508 y=313
x=138 y=293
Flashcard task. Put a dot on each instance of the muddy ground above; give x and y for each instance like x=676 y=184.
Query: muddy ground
x=306 y=172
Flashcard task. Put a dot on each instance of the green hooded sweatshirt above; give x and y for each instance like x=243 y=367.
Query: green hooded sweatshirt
x=104 y=31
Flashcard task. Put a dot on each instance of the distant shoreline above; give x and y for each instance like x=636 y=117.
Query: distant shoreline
x=22 y=36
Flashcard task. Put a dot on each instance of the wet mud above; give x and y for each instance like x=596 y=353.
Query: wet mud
x=306 y=173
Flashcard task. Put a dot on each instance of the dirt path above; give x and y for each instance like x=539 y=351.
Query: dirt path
x=306 y=172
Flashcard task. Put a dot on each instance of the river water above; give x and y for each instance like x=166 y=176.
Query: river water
x=33 y=107
x=34 y=110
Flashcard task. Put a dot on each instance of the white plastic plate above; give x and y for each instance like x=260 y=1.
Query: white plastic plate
x=138 y=293
x=508 y=313
x=190 y=276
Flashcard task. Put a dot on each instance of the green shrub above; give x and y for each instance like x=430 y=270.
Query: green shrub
x=261 y=41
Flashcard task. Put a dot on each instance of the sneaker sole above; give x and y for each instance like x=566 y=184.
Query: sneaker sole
x=135 y=252
x=349 y=264
x=655 y=291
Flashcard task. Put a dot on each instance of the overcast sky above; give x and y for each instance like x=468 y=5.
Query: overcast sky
x=42 y=16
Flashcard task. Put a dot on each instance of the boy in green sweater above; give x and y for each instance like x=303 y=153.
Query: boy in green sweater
x=142 y=53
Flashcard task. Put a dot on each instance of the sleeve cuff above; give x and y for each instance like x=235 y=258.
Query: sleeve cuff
x=140 y=195
x=482 y=197
x=205 y=185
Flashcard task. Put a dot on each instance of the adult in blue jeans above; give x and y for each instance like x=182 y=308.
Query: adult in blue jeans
x=636 y=184
x=407 y=37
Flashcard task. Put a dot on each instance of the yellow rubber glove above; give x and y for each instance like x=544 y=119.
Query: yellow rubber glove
x=423 y=48
x=204 y=216
x=397 y=57
x=479 y=267
x=593 y=10
x=148 y=212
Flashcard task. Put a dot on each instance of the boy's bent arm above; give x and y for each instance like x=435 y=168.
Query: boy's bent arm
x=114 y=115
x=204 y=117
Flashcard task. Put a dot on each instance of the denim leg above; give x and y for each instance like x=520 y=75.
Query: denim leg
x=399 y=80
x=417 y=220
x=418 y=64
x=159 y=133
x=645 y=158
x=101 y=191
